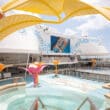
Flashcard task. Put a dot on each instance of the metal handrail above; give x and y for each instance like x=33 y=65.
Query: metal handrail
x=43 y=105
x=92 y=105
x=34 y=106
x=82 y=104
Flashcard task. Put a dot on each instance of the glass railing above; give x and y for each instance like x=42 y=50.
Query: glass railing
x=11 y=80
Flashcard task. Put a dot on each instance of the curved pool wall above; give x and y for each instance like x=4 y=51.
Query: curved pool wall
x=10 y=95
x=54 y=97
x=57 y=100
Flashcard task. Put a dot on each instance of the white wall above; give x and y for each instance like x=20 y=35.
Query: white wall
x=88 y=45
x=37 y=39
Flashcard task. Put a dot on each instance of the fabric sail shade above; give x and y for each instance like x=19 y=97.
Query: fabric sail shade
x=56 y=7
x=70 y=8
x=12 y=23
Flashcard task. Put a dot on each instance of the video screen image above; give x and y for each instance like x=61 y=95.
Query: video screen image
x=60 y=44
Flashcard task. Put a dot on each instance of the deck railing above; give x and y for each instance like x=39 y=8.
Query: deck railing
x=11 y=82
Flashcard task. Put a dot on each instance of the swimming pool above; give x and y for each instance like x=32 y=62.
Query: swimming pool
x=55 y=96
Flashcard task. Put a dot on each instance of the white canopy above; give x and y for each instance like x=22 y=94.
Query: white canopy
x=23 y=41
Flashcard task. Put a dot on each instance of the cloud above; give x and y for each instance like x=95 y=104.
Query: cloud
x=69 y=31
x=103 y=3
x=82 y=18
x=96 y=22
x=98 y=2
x=2 y=2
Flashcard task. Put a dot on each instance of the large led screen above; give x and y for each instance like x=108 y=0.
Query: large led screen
x=60 y=44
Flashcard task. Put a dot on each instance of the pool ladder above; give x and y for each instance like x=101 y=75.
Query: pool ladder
x=43 y=105
x=35 y=106
x=92 y=105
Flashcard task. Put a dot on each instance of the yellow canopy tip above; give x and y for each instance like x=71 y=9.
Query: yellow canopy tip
x=1 y=13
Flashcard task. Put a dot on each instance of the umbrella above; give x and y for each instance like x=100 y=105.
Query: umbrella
x=57 y=8
x=34 y=69
x=93 y=61
x=56 y=62
x=2 y=67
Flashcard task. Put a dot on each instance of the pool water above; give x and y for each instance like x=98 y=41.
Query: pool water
x=53 y=97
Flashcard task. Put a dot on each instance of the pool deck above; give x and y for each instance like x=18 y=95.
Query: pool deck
x=106 y=86
x=99 y=75
x=76 y=84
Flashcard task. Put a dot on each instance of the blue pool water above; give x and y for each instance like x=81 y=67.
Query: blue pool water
x=55 y=96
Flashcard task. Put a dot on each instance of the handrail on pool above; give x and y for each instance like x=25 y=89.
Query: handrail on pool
x=92 y=105
x=11 y=82
x=82 y=104
x=35 y=104
x=43 y=105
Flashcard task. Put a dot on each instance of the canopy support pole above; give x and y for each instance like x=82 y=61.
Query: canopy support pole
x=27 y=63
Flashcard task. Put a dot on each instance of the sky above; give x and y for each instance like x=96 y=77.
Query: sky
x=91 y=25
